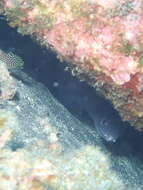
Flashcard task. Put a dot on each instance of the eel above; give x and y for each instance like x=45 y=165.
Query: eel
x=106 y=119
x=11 y=60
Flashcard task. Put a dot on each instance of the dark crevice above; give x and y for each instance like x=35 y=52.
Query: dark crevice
x=43 y=65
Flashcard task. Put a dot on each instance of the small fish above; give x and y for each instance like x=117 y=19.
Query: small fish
x=11 y=60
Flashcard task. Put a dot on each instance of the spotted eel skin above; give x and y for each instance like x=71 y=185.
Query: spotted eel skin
x=11 y=60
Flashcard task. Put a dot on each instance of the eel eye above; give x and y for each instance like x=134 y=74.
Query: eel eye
x=104 y=122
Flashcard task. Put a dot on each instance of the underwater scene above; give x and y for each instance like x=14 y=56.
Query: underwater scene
x=67 y=120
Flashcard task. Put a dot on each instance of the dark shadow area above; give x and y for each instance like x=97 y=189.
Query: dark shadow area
x=43 y=65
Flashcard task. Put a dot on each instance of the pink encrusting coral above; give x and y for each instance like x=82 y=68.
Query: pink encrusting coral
x=104 y=37
x=103 y=43
x=91 y=34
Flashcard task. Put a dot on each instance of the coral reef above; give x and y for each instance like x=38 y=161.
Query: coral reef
x=91 y=34
x=19 y=171
x=102 y=41
x=42 y=145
